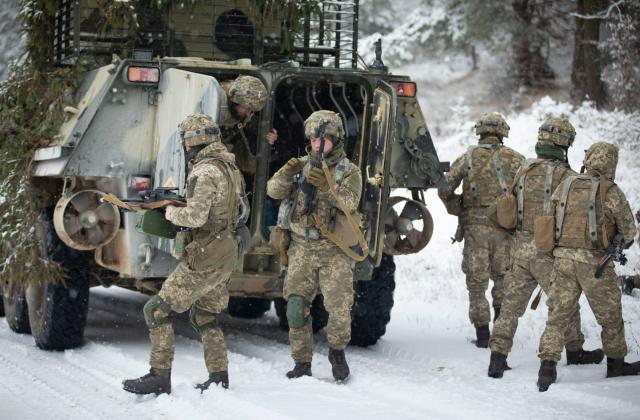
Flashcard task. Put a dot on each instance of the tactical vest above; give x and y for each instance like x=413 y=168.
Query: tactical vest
x=581 y=221
x=223 y=214
x=484 y=167
x=534 y=188
x=290 y=217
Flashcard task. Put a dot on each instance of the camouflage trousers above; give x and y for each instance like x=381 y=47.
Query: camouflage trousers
x=569 y=279
x=320 y=267
x=485 y=256
x=528 y=270
x=205 y=293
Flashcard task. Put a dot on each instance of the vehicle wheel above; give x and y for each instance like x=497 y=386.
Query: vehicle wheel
x=15 y=308
x=319 y=315
x=248 y=307
x=58 y=312
x=372 y=305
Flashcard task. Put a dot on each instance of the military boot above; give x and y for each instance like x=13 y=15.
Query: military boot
x=627 y=283
x=300 y=370
x=482 y=336
x=618 y=367
x=546 y=375
x=157 y=381
x=497 y=365
x=218 y=378
x=585 y=357
x=496 y=313
x=339 y=366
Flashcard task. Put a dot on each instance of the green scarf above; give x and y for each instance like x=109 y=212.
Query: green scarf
x=335 y=155
x=547 y=151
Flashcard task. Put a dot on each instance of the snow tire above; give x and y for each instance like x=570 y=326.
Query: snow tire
x=372 y=305
x=249 y=308
x=58 y=312
x=15 y=310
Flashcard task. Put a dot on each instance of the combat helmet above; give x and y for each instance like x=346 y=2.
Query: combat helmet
x=492 y=123
x=327 y=120
x=601 y=159
x=198 y=130
x=248 y=91
x=557 y=131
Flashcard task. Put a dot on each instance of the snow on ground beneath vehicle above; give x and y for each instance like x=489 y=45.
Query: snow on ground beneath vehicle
x=426 y=366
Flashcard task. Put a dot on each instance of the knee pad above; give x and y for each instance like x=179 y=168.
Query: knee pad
x=202 y=320
x=297 y=311
x=156 y=312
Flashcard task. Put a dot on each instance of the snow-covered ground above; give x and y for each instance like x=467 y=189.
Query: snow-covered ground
x=424 y=367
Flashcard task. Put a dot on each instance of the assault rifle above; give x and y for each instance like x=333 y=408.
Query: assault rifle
x=149 y=200
x=615 y=252
x=310 y=191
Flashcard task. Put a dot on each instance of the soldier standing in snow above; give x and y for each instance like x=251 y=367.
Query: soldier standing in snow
x=533 y=186
x=486 y=171
x=316 y=263
x=589 y=213
x=199 y=283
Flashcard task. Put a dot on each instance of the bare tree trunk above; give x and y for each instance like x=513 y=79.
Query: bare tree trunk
x=587 y=66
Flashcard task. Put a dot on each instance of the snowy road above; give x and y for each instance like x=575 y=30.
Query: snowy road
x=419 y=370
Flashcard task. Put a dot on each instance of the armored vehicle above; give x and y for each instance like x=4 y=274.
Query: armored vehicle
x=121 y=136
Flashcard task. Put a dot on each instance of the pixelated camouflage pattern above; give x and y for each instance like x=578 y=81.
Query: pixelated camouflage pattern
x=534 y=187
x=248 y=91
x=492 y=123
x=601 y=158
x=207 y=213
x=320 y=267
x=485 y=256
x=207 y=192
x=618 y=219
x=280 y=186
x=557 y=131
x=334 y=127
x=184 y=288
x=196 y=122
x=569 y=279
x=485 y=176
x=529 y=269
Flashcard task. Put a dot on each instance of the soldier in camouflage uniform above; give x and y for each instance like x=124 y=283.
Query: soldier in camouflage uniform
x=199 y=283
x=246 y=95
x=486 y=171
x=316 y=264
x=533 y=185
x=590 y=212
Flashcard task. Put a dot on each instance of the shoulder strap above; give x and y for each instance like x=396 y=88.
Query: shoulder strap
x=341 y=168
x=497 y=163
x=471 y=173
x=548 y=183
x=354 y=225
x=233 y=182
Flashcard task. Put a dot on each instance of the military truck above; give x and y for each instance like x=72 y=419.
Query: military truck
x=121 y=136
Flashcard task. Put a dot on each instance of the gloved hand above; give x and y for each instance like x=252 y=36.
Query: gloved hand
x=292 y=167
x=317 y=179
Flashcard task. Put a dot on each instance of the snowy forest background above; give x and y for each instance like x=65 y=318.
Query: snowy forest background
x=528 y=59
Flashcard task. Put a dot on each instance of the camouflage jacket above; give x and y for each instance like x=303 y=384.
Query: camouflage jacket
x=239 y=139
x=349 y=189
x=613 y=214
x=208 y=192
x=481 y=184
